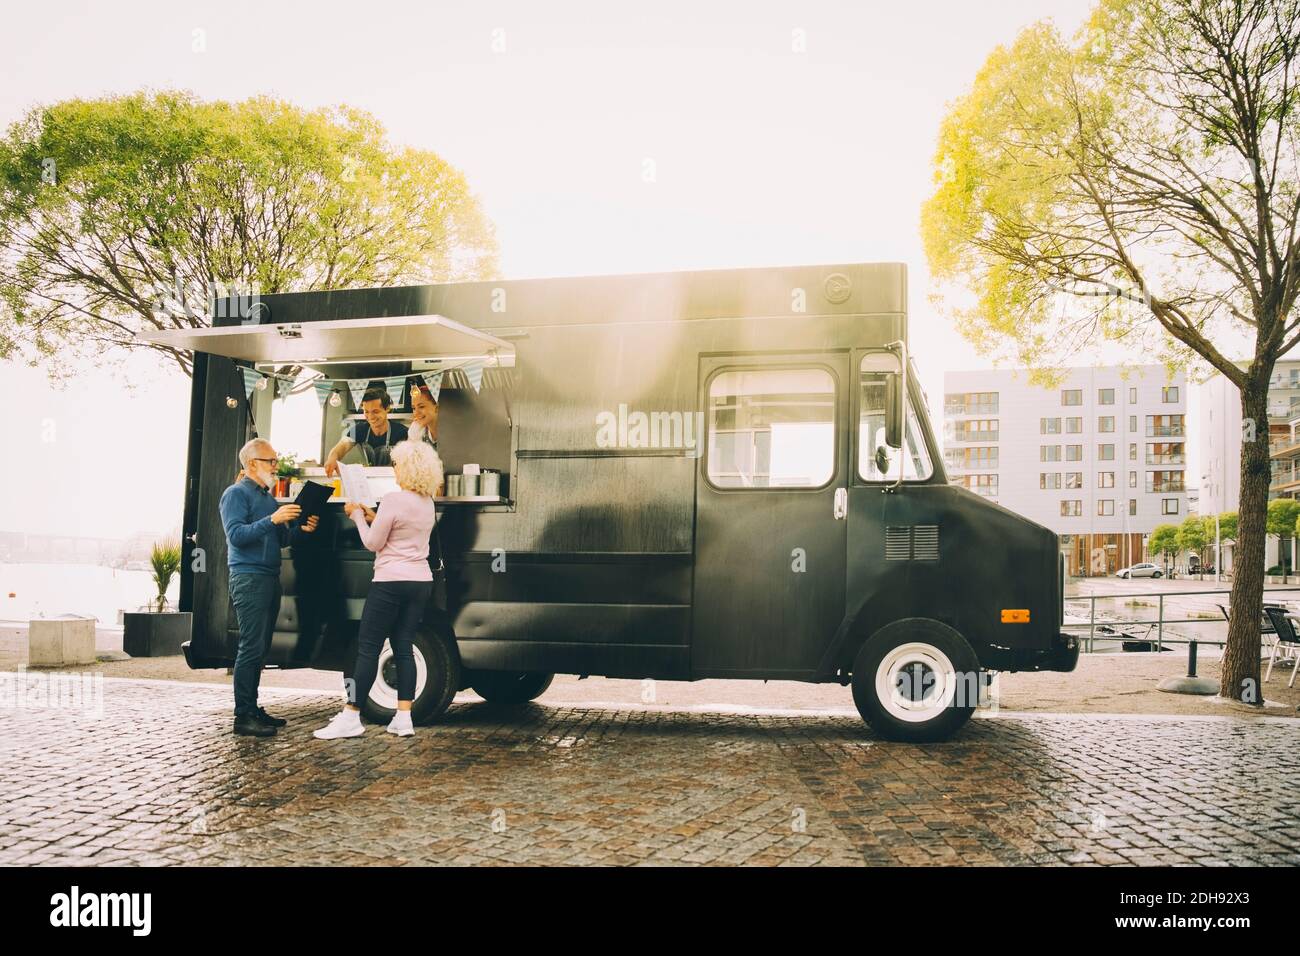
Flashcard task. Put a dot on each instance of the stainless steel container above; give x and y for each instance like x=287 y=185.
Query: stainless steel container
x=469 y=485
x=455 y=484
x=489 y=484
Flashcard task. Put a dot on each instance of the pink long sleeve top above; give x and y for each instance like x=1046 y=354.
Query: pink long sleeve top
x=400 y=536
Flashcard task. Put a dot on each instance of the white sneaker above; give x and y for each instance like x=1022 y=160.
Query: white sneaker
x=346 y=723
x=401 y=724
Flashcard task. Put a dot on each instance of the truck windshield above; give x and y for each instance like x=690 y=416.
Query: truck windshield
x=875 y=374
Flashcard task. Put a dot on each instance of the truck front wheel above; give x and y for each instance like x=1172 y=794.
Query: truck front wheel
x=510 y=687
x=916 y=680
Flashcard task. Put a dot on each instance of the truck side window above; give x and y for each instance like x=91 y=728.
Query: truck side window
x=875 y=372
x=771 y=428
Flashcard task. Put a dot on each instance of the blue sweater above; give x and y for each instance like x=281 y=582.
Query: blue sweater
x=253 y=542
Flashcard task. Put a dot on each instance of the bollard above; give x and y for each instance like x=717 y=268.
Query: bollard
x=1191 y=659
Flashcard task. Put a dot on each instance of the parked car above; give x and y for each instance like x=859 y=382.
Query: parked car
x=1143 y=570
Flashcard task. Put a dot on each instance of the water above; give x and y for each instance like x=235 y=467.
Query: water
x=48 y=590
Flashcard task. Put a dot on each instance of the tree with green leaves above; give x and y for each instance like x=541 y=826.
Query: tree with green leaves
x=1163 y=542
x=1192 y=537
x=131 y=213
x=1282 y=516
x=1137 y=183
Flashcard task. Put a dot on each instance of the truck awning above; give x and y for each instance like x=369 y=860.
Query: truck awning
x=415 y=338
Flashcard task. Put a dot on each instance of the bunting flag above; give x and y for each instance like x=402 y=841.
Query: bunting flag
x=357 y=386
x=394 y=386
x=474 y=372
x=324 y=387
x=251 y=378
x=433 y=381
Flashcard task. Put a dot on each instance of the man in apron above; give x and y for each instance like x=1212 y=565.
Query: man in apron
x=376 y=435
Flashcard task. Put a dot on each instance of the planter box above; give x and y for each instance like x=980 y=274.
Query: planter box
x=155 y=634
x=61 y=641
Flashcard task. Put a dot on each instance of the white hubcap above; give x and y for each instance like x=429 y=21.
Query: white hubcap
x=915 y=682
x=384 y=690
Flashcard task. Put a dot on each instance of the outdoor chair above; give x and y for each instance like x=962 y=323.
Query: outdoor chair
x=1287 y=646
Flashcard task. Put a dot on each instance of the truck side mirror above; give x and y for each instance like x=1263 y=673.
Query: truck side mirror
x=894 y=411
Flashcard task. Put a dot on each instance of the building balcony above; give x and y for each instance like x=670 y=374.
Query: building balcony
x=1165 y=487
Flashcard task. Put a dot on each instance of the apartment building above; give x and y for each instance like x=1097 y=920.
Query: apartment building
x=1219 y=435
x=1099 y=459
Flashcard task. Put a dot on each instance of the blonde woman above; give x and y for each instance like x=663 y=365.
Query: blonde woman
x=402 y=585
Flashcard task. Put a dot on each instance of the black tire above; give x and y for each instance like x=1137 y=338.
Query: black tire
x=1124 y=577
x=907 y=649
x=1157 y=574
x=510 y=687
x=433 y=694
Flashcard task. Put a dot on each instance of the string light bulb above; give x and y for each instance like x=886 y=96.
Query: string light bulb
x=335 y=401
x=232 y=402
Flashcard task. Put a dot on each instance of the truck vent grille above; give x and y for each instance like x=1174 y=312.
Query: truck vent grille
x=919 y=543
x=925 y=542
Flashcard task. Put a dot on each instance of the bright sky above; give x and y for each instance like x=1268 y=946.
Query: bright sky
x=764 y=156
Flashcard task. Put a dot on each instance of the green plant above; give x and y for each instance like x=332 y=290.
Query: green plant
x=286 y=466
x=166 y=560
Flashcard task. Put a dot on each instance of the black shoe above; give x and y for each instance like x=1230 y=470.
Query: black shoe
x=252 y=726
x=266 y=718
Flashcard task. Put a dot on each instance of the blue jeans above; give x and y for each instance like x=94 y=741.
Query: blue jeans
x=257 y=604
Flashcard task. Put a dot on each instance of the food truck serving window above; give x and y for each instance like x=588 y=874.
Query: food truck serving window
x=771 y=428
x=876 y=370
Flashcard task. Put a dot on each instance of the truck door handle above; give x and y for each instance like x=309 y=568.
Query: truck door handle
x=841 y=503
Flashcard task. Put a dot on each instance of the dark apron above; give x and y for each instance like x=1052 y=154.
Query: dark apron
x=381 y=456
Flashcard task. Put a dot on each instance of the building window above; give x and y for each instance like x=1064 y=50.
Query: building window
x=970 y=403
x=1166 y=453
x=1164 y=481
x=1106 y=423
x=1074 y=453
x=1132 y=395
x=1169 y=394
x=1105 y=479
x=1132 y=423
x=1071 y=509
x=1072 y=396
x=983 y=458
x=1164 y=426
x=1105 y=452
x=1074 y=479
x=977 y=429
x=1049 y=426
x=1169 y=506
x=986 y=485
x=1049 y=453
x=1132 y=506
x=1105 y=507
x=1132 y=451
x=771 y=428
x=1049 y=480
x=1132 y=479
x=1105 y=396
x=1073 y=426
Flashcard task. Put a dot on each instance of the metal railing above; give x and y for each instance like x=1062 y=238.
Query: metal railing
x=1157 y=624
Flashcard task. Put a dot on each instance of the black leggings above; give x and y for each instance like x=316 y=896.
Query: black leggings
x=393 y=610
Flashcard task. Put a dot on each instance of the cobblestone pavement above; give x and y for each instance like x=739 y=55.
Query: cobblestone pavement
x=158 y=778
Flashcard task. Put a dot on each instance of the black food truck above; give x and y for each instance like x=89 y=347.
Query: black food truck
x=713 y=474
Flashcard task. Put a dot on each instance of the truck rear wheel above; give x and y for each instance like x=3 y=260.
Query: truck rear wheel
x=436 y=679
x=510 y=687
x=916 y=680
